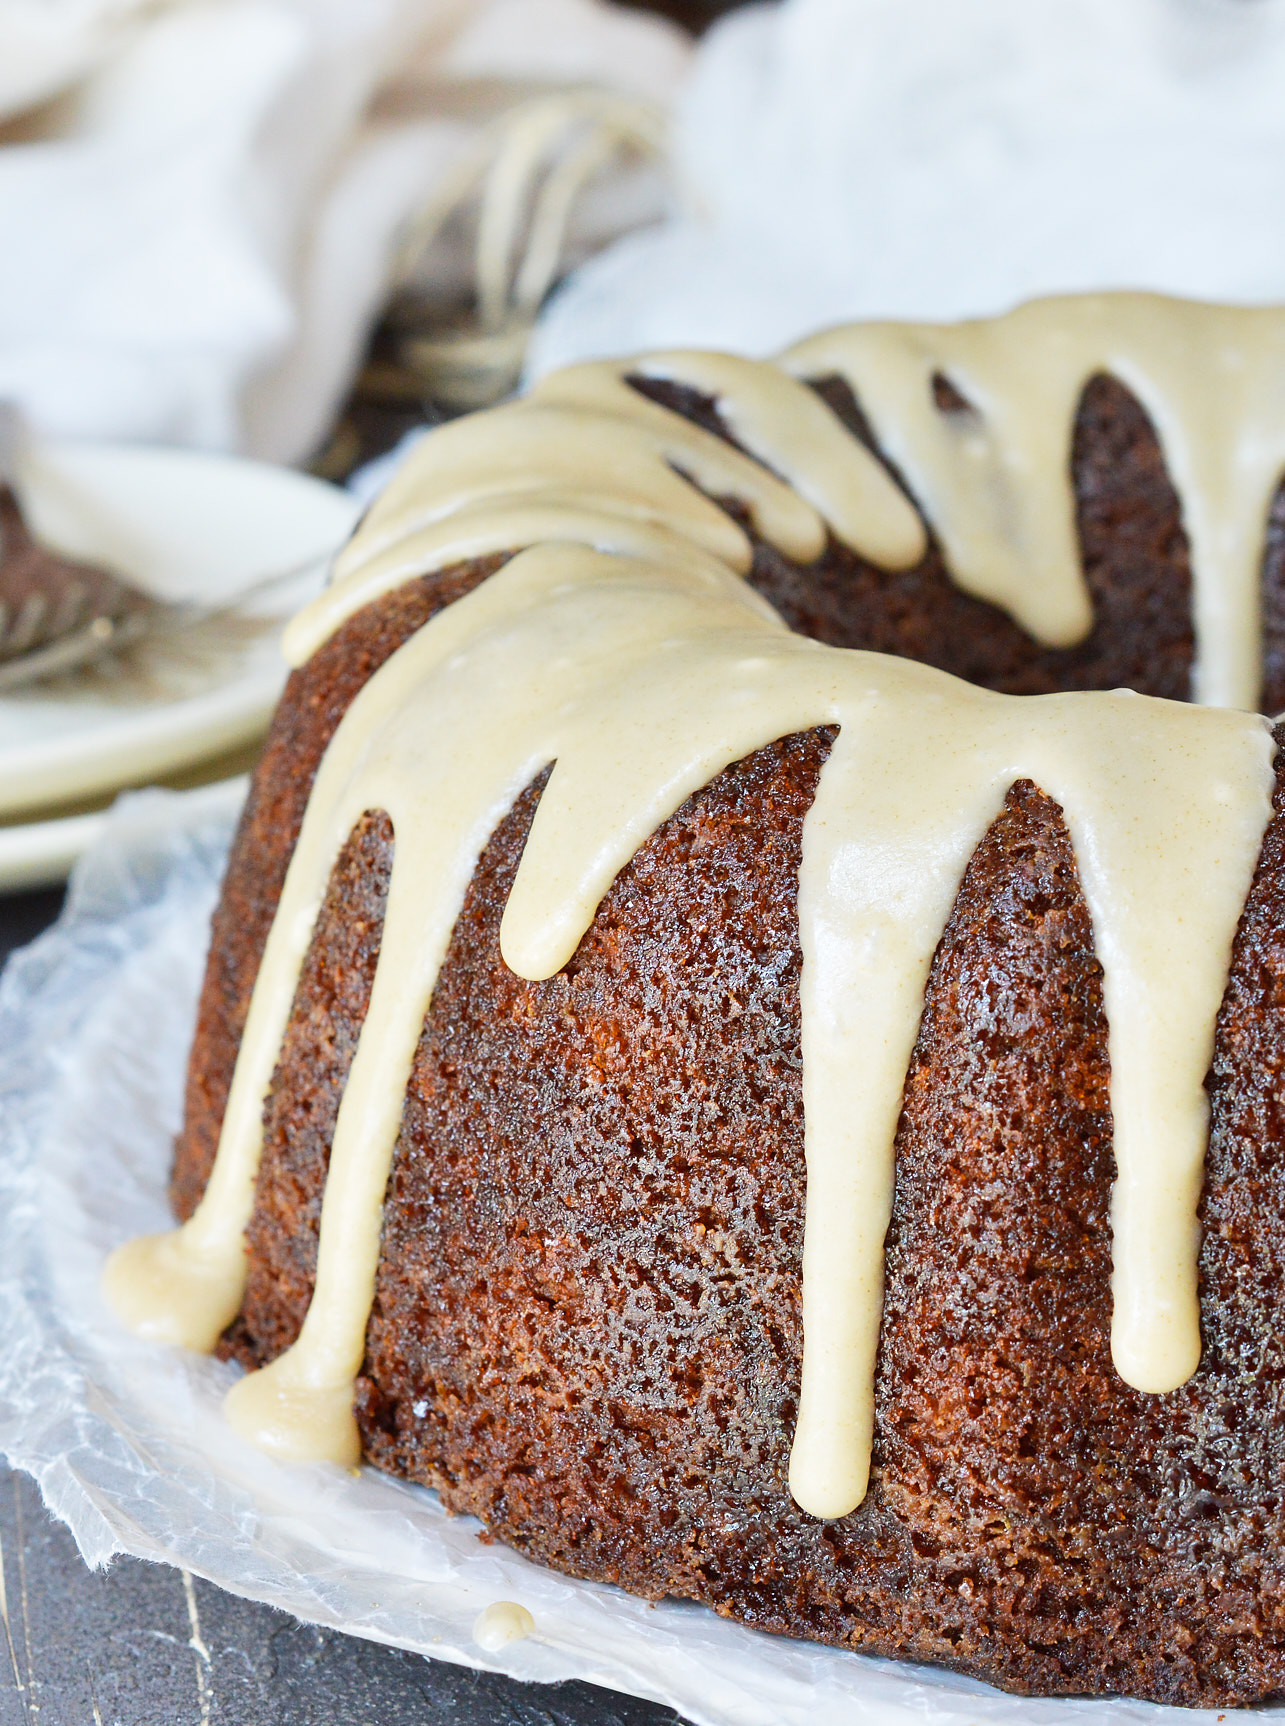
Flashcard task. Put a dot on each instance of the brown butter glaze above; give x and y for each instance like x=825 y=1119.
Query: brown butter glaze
x=315 y=699
x=599 y=1387
x=602 y=1318
x=1136 y=561
x=1142 y=640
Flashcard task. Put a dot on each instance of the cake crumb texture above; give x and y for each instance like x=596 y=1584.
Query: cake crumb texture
x=586 y=1327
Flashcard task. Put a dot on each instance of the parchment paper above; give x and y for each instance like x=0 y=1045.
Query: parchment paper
x=127 y=1442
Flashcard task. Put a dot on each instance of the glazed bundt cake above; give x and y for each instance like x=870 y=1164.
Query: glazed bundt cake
x=754 y=1118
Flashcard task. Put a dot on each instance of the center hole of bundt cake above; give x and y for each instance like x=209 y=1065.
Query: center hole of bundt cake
x=1133 y=547
x=948 y=397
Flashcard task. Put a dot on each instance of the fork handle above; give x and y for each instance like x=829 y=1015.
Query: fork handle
x=15 y=434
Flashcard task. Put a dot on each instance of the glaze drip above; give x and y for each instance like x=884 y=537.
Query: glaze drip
x=623 y=648
x=993 y=479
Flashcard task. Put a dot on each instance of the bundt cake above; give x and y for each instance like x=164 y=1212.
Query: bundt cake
x=743 y=1038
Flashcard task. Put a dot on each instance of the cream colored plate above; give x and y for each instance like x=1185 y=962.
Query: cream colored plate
x=187 y=525
x=42 y=853
x=165 y=705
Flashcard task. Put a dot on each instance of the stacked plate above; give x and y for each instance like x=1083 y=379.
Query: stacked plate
x=186 y=703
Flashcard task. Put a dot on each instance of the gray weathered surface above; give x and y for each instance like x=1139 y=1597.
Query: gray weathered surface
x=144 y=1645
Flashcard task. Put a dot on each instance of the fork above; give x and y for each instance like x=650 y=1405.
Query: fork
x=57 y=614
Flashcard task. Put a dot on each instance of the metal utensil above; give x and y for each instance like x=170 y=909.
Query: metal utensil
x=57 y=614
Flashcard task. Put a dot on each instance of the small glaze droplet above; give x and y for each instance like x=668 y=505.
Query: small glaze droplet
x=504 y=1621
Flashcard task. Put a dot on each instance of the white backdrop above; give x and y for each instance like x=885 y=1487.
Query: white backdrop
x=847 y=159
x=197 y=225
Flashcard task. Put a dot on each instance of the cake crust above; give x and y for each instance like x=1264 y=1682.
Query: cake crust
x=586 y=1328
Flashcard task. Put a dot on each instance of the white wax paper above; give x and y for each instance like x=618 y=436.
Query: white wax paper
x=127 y=1442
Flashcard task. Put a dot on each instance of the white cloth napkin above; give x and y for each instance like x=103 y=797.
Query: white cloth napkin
x=198 y=230
x=48 y=44
x=850 y=159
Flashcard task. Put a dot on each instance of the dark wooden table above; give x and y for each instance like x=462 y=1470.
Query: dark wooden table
x=144 y=1645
